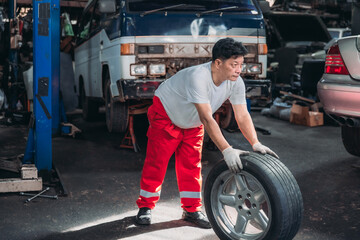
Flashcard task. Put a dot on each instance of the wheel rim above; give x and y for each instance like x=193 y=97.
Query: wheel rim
x=241 y=206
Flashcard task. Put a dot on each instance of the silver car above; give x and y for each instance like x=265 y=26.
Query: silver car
x=339 y=89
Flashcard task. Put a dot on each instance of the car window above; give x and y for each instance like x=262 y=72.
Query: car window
x=346 y=33
x=190 y=6
x=85 y=22
x=95 y=21
x=334 y=34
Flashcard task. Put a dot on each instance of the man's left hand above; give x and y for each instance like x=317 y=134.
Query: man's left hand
x=258 y=147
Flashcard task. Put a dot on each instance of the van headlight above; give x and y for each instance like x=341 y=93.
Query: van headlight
x=157 y=69
x=243 y=68
x=253 y=68
x=138 y=70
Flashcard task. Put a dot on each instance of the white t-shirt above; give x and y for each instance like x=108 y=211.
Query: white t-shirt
x=195 y=85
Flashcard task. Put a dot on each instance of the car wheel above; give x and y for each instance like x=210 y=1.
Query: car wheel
x=228 y=121
x=263 y=201
x=117 y=113
x=90 y=108
x=351 y=139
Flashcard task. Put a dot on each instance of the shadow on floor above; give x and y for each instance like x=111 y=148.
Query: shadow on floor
x=123 y=228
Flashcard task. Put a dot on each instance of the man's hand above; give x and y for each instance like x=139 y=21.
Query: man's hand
x=258 y=147
x=232 y=158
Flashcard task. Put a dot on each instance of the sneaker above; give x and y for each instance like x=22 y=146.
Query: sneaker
x=144 y=216
x=196 y=217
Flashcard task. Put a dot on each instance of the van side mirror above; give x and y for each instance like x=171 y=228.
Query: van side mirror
x=107 y=6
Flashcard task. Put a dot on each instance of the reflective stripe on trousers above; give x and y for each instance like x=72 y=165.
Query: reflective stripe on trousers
x=164 y=138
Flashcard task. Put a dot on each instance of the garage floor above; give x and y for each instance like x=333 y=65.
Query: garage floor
x=102 y=181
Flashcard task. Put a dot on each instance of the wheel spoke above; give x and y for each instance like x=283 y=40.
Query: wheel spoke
x=233 y=187
x=240 y=224
x=262 y=219
x=240 y=183
x=228 y=200
x=259 y=196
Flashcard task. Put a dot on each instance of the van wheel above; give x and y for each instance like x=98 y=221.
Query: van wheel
x=351 y=139
x=228 y=122
x=90 y=108
x=263 y=201
x=117 y=113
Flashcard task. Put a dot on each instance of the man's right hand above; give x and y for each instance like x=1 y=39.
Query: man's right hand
x=232 y=158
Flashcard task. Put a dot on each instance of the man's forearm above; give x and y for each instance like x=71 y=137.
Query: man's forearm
x=247 y=128
x=213 y=129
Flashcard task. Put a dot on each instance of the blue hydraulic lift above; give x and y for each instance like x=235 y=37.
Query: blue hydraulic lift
x=46 y=79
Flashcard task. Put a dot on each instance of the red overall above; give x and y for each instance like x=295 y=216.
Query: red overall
x=164 y=138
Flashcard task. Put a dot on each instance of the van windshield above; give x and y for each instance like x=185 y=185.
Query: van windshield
x=199 y=7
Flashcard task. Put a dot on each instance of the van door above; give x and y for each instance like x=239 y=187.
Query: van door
x=94 y=53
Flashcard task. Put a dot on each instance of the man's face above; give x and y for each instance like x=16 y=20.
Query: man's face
x=231 y=68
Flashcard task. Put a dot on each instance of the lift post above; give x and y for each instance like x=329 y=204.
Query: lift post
x=46 y=117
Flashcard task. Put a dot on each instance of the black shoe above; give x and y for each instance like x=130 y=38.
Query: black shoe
x=144 y=216
x=196 y=217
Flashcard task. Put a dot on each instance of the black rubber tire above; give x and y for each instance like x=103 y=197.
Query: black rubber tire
x=117 y=113
x=351 y=139
x=90 y=108
x=279 y=184
x=228 y=122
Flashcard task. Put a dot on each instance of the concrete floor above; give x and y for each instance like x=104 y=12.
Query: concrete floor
x=103 y=184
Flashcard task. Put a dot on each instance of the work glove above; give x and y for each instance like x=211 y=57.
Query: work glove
x=258 y=147
x=232 y=158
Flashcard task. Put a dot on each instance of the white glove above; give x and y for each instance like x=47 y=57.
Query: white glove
x=258 y=147
x=232 y=158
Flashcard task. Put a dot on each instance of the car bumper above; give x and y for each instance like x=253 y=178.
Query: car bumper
x=145 y=89
x=340 y=95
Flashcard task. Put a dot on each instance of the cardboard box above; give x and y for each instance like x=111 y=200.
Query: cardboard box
x=303 y=116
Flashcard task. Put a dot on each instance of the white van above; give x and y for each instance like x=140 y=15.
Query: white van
x=126 y=48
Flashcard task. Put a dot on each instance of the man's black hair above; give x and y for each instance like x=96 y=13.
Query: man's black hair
x=228 y=48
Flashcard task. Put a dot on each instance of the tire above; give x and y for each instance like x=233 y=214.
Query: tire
x=351 y=139
x=90 y=108
x=268 y=206
x=117 y=113
x=228 y=122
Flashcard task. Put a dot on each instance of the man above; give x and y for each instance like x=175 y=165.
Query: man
x=182 y=107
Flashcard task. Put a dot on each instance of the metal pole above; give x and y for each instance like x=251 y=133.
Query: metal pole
x=46 y=38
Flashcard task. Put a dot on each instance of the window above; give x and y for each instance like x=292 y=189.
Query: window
x=84 y=28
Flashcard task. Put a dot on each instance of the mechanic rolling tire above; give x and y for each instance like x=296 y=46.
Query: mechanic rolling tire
x=263 y=201
x=117 y=113
x=351 y=139
x=90 y=108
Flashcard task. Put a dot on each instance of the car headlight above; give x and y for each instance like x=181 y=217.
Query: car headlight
x=253 y=68
x=243 y=68
x=157 y=69
x=138 y=70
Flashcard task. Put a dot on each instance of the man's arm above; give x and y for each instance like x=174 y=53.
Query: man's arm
x=245 y=123
x=247 y=128
x=231 y=155
x=211 y=126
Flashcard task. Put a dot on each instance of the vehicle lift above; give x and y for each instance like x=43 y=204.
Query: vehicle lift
x=45 y=119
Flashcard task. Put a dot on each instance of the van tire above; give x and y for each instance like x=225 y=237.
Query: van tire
x=117 y=113
x=90 y=108
x=228 y=122
x=267 y=189
x=351 y=139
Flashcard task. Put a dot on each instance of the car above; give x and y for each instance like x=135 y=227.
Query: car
x=339 y=89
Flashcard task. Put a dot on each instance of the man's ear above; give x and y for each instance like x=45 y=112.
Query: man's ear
x=218 y=62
